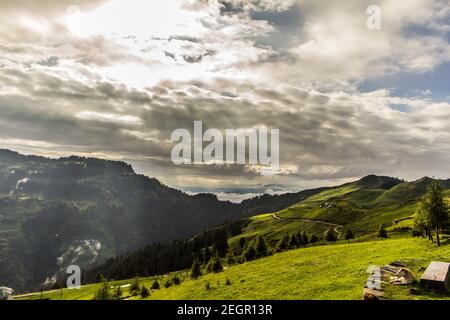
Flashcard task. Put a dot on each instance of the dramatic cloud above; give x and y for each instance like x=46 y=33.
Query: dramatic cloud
x=75 y=80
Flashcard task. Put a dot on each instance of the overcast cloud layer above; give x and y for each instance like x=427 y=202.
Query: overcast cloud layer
x=114 y=78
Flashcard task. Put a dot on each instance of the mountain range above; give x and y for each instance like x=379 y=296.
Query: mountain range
x=76 y=210
x=56 y=212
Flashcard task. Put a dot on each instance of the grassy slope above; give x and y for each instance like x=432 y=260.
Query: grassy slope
x=342 y=267
x=363 y=208
x=336 y=272
x=326 y=272
x=85 y=293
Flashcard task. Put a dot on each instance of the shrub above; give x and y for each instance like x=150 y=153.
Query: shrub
x=118 y=293
x=348 y=234
x=155 y=285
x=313 y=239
x=330 y=235
x=382 y=233
x=168 y=283
x=229 y=259
x=176 y=280
x=215 y=264
x=293 y=242
x=135 y=287
x=144 y=292
x=103 y=293
x=282 y=243
x=250 y=253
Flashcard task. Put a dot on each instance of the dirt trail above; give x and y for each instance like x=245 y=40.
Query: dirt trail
x=335 y=226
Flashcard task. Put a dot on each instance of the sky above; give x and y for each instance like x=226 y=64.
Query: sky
x=114 y=78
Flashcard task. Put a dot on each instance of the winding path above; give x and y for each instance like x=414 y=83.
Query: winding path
x=334 y=225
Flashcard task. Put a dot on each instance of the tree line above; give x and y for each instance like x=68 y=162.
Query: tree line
x=432 y=215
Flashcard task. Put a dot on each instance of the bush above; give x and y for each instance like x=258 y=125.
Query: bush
x=176 y=280
x=348 y=234
x=229 y=259
x=250 y=253
x=293 y=242
x=118 y=293
x=135 y=287
x=215 y=264
x=330 y=235
x=168 y=283
x=417 y=233
x=313 y=239
x=382 y=233
x=282 y=244
x=103 y=293
x=144 y=292
x=155 y=285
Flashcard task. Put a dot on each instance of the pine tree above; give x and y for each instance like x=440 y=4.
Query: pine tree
x=293 y=242
x=299 y=237
x=221 y=244
x=242 y=242
x=230 y=259
x=155 y=285
x=305 y=239
x=103 y=293
x=382 y=233
x=135 y=287
x=313 y=239
x=144 y=292
x=168 y=283
x=206 y=255
x=330 y=235
x=118 y=293
x=250 y=253
x=216 y=266
x=195 y=270
x=176 y=280
x=260 y=247
x=348 y=234
x=282 y=243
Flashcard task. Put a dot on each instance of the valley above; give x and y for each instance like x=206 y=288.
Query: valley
x=117 y=224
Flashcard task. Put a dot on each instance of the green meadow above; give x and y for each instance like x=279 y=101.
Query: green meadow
x=336 y=272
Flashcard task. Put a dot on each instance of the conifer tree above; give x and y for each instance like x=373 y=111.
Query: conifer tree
x=330 y=235
x=348 y=234
x=195 y=270
x=155 y=285
x=313 y=239
x=250 y=253
x=382 y=233
x=260 y=247
x=293 y=242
